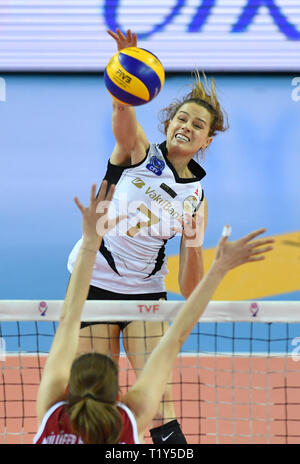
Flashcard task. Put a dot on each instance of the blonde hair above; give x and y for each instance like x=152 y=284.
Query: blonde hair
x=93 y=389
x=203 y=94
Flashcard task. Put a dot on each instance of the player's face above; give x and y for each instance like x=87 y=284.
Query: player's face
x=188 y=130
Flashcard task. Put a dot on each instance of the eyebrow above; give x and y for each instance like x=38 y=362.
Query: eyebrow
x=199 y=119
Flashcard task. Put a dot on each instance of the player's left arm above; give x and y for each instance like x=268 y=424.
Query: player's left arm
x=191 y=264
x=65 y=343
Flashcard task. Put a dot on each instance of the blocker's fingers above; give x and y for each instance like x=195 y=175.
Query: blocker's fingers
x=93 y=194
x=110 y=193
x=79 y=205
x=261 y=250
x=254 y=260
x=225 y=234
x=226 y=231
x=102 y=191
x=260 y=243
x=252 y=235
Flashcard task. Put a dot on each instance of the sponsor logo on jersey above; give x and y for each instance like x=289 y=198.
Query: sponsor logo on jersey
x=168 y=189
x=165 y=204
x=189 y=204
x=139 y=183
x=156 y=165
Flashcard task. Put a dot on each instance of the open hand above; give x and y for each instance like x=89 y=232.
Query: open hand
x=232 y=254
x=130 y=40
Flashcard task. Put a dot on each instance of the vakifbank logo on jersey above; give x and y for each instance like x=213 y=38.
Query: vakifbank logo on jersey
x=156 y=165
x=139 y=183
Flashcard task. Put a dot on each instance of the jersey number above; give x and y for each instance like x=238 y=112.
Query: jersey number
x=152 y=220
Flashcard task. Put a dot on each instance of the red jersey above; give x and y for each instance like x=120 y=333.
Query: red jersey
x=56 y=428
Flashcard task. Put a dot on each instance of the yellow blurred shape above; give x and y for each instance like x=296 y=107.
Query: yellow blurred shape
x=278 y=273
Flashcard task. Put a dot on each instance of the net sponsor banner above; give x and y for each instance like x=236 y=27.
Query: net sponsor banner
x=214 y=35
x=216 y=311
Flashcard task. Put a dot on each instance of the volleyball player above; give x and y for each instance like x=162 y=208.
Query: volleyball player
x=78 y=399
x=160 y=183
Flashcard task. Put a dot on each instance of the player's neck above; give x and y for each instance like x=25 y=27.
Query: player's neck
x=180 y=164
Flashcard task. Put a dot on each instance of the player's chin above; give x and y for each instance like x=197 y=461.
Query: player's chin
x=182 y=145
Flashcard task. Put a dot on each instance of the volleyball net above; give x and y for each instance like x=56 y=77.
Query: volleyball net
x=236 y=379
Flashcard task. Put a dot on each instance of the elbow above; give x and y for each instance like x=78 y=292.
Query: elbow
x=185 y=289
x=185 y=292
x=187 y=286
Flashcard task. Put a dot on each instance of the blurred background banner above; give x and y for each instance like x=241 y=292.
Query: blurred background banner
x=215 y=35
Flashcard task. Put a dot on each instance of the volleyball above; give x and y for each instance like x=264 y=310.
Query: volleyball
x=134 y=76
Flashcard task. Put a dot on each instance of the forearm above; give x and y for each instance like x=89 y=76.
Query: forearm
x=62 y=355
x=124 y=125
x=164 y=355
x=197 y=302
x=80 y=279
x=191 y=268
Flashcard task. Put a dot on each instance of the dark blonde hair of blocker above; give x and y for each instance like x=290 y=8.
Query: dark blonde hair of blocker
x=92 y=394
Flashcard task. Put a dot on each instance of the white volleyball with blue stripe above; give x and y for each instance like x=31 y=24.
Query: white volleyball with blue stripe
x=134 y=76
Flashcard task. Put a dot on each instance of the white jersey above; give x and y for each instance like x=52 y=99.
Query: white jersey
x=131 y=259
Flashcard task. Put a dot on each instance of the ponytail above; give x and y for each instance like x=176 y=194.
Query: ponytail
x=96 y=422
x=93 y=390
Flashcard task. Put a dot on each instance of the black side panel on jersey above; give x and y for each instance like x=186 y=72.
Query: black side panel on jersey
x=200 y=202
x=108 y=256
x=159 y=260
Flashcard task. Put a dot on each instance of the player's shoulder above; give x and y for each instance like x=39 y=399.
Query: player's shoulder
x=125 y=157
x=50 y=419
x=130 y=430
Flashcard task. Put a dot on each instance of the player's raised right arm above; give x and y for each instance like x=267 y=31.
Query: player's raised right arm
x=131 y=141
